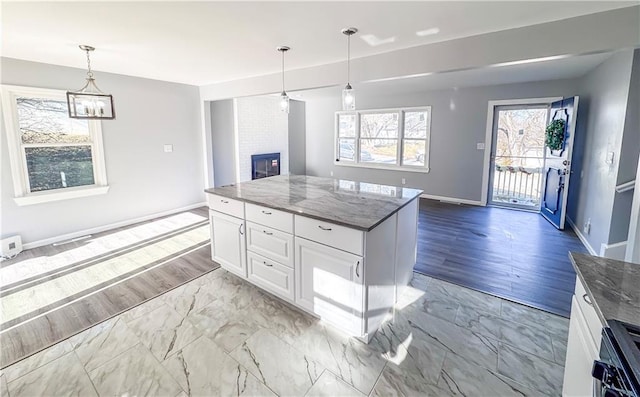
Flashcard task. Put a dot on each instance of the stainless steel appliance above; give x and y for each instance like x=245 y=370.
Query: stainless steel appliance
x=617 y=373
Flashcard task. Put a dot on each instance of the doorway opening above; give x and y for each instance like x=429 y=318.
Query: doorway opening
x=518 y=155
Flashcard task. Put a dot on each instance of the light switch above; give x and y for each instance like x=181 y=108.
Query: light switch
x=480 y=145
x=168 y=148
x=609 y=159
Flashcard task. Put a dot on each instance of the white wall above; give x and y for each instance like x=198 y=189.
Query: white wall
x=261 y=128
x=459 y=120
x=601 y=118
x=223 y=142
x=143 y=179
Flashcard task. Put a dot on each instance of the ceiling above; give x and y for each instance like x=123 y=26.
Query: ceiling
x=549 y=69
x=207 y=42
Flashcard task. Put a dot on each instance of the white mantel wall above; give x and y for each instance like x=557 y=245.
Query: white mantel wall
x=260 y=128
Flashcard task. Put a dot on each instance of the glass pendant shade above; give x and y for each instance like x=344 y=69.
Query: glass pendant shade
x=348 y=98
x=284 y=102
x=89 y=102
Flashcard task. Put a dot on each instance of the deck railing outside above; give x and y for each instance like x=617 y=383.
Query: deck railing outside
x=517 y=185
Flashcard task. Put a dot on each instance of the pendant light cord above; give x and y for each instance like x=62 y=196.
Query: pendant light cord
x=89 y=72
x=348 y=59
x=283 y=71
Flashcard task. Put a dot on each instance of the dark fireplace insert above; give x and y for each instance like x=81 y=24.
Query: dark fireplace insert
x=265 y=165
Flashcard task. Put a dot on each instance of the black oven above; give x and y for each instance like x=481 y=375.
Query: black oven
x=617 y=373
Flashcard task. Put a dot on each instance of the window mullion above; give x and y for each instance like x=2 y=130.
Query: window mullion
x=400 y=150
x=357 y=140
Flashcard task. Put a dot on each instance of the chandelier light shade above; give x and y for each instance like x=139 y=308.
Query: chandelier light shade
x=89 y=102
x=284 y=98
x=348 y=96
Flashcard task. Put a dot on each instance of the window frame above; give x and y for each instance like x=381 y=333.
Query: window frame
x=17 y=154
x=398 y=165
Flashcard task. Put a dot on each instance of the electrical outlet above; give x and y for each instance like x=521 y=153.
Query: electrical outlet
x=587 y=226
x=168 y=148
x=331 y=173
x=404 y=181
x=480 y=146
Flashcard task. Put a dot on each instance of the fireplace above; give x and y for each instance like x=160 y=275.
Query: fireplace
x=265 y=165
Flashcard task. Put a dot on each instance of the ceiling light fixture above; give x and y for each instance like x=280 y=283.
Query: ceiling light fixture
x=348 y=97
x=89 y=102
x=284 y=98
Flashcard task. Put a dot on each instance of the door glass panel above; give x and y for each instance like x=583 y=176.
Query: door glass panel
x=519 y=156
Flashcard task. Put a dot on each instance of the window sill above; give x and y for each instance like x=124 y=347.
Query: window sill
x=423 y=170
x=69 y=193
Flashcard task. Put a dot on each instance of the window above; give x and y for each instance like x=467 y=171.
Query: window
x=388 y=138
x=52 y=156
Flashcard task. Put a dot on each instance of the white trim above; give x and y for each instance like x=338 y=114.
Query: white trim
x=236 y=140
x=488 y=139
x=633 y=239
x=110 y=226
x=383 y=167
x=451 y=199
x=613 y=251
x=581 y=236
x=60 y=194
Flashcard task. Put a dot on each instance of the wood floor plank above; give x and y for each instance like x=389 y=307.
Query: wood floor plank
x=515 y=255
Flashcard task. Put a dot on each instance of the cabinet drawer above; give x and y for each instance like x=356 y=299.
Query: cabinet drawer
x=593 y=321
x=270 y=275
x=330 y=234
x=226 y=205
x=269 y=217
x=272 y=243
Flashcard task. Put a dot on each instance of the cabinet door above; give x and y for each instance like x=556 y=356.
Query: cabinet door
x=329 y=284
x=581 y=351
x=228 y=243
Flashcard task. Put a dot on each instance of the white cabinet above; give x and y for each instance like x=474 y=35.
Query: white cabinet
x=228 y=246
x=270 y=275
x=329 y=284
x=583 y=345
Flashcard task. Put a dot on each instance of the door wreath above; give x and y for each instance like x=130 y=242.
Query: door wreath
x=555 y=132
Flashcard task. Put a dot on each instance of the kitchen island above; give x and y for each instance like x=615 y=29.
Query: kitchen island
x=337 y=249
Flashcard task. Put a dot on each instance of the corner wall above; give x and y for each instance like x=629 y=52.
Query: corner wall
x=143 y=179
x=601 y=119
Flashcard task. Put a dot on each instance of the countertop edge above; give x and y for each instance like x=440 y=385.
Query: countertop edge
x=352 y=226
x=603 y=319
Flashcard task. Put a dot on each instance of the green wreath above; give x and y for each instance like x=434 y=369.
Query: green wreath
x=555 y=134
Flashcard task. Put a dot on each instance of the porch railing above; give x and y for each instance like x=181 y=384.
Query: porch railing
x=517 y=185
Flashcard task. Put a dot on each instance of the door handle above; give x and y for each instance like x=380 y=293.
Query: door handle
x=357 y=267
x=560 y=187
x=566 y=162
x=224 y=201
x=267 y=264
x=266 y=212
x=324 y=228
x=585 y=297
x=267 y=233
x=240 y=229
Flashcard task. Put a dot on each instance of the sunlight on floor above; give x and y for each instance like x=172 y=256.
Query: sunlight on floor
x=128 y=252
x=96 y=247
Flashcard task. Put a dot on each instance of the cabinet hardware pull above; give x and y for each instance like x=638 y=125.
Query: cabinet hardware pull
x=357 y=266
x=268 y=264
x=240 y=228
x=266 y=212
x=586 y=299
x=267 y=233
x=324 y=228
x=224 y=201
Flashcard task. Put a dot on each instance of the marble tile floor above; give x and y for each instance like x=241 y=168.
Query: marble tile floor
x=219 y=335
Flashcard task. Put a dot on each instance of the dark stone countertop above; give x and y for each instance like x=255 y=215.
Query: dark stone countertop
x=613 y=286
x=358 y=205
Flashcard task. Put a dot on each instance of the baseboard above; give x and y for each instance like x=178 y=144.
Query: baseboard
x=451 y=199
x=103 y=228
x=581 y=236
x=614 y=251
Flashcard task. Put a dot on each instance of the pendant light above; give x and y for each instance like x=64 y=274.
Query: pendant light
x=89 y=102
x=284 y=98
x=348 y=96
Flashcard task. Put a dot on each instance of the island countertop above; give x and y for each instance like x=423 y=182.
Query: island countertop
x=613 y=286
x=358 y=205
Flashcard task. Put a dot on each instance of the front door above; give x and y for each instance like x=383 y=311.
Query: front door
x=557 y=167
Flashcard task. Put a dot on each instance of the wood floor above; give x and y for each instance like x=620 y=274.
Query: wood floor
x=515 y=255
x=36 y=330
